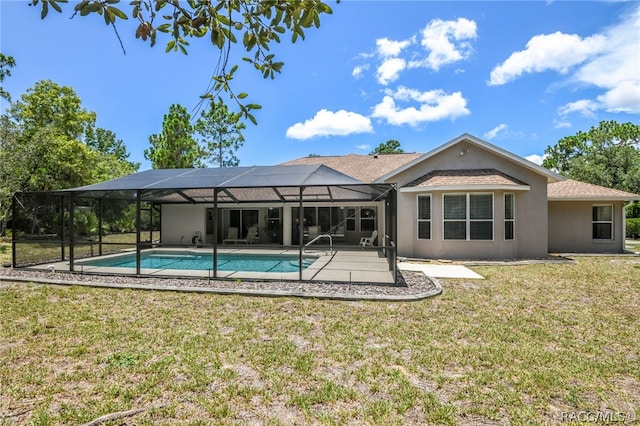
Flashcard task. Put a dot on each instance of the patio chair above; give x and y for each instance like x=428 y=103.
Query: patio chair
x=232 y=235
x=252 y=235
x=195 y=240
x=312 y=232
x=368 y=241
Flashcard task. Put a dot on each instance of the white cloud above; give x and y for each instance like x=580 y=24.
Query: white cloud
x=493 y=133
x=389 y=70
x=585 y=107
x=609 y=60
x=359 y=69
x=446 y=42
x=535 y=158
x=388 y=48
x=433 y=105
x=329 y=123
x=617 y=68
x=561 y=124
x=364 y=147
x=623 y=97
x=557 y=51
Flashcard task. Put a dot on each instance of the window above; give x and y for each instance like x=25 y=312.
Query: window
x=602 y=222
x=455 y=216
x=351 y=219
x=509 y=216
x=367 y=219
x=424 y=217
x=468 y=216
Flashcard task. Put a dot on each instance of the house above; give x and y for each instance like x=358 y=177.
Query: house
x=471 y=199
x=466 y=199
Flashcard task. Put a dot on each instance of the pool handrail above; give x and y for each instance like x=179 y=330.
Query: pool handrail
x=317 y=238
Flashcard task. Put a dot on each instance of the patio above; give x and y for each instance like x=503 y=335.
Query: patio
x=363 y=265
x=278 y=209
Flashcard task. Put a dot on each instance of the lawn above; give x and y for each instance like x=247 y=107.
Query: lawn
x=540 y=343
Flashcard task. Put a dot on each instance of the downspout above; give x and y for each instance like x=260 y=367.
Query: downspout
x=624 y=225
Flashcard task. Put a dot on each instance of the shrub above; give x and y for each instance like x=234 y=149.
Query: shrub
x=633 y=228
x=633 y=211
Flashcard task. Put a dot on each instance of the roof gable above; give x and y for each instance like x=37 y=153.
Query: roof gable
x=551 y=176
x=366 y=168
x=489 y=179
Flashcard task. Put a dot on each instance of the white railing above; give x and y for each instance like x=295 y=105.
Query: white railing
x=317 y=238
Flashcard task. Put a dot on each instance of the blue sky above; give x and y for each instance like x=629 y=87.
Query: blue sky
x=520 y=75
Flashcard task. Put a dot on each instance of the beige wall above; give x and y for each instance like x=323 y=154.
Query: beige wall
x=531 y=210
x=570 y=228
x=180 y=221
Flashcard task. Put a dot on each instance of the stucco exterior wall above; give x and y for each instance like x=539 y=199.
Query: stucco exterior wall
x=570 y=228
x=180 y=221
x=531 y=218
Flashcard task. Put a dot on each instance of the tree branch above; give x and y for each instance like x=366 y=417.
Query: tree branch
x=120 y=415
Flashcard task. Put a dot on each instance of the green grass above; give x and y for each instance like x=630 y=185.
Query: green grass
x=29 y=252
x=633 y=245
x=5 y=253
x=523 y=346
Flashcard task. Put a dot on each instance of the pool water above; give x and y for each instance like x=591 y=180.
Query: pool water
x=204 y=261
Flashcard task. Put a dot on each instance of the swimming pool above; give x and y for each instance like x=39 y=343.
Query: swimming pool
x=182 y=260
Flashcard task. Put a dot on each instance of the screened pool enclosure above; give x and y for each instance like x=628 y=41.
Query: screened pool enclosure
x=301 y=209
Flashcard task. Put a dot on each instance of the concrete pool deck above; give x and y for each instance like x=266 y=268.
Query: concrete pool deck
x=358 y=265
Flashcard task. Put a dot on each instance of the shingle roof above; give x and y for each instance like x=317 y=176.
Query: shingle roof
x=365 y=168
x=479 y=143
x=486 y=177
x=575 y=190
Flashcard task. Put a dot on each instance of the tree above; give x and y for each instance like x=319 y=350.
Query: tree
x=391 y=146
x=113 y=158
x=221 y=133
x=42 y=147
x=258 y=24
x=50 y=105
x=6 y=62
x=175 y=147
x=607 y=155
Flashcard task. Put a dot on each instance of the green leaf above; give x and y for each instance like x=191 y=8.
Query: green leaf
x=117 y=12
x=56 y=6
x=45 y=10
x=80 y=5
x=242 y=95
x=109 y=17
x=171 y=45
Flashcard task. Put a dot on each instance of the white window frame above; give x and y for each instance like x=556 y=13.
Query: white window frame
x=610 y=222
x=467 y=218
x=419 y=220
x=513 y=219
x=364 y=219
